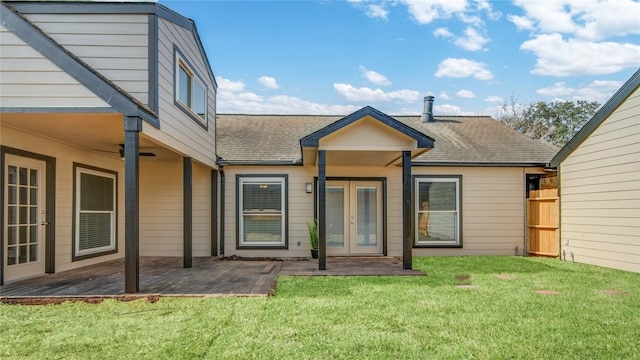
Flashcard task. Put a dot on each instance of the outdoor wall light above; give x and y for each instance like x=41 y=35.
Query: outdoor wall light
x=309 y=188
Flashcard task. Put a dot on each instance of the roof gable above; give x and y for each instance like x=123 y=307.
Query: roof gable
x=313 y=140
x=605 y=111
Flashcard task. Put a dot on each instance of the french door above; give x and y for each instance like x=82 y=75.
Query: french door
x=24 y=217
x=354 y=218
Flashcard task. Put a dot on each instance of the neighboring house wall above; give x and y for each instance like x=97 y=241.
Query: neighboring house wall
x=161 y=209
x=26 y=75
x=493 y=208
x=178 y=130
x=600 y=193
x=116 y=45
x=65 y=156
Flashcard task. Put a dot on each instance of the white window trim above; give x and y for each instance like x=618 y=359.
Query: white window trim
x=241 y=213
x=457 y=242
x=76 y=241
x=181 y=62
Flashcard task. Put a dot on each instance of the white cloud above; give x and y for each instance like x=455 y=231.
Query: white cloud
x=442 y=32
x=586 y=19
x=377 y=11
x=599 y=90
x=228 y=85
x=250 y=103
x=462 y=68
x=467 y=94
x=472 y=40
x=494 y=99
x=269 y=82
x=367 y=94
x=374 y=11
x=448 y=109
x=374 y=77
x=559 y=57
x=521 y=22
x=444 y=96
x=425 y=12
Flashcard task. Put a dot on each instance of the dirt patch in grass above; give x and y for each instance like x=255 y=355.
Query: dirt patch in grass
x=614 y=292
x=547 y=292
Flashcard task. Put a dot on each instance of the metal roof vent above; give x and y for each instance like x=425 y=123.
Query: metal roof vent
x=427 y=114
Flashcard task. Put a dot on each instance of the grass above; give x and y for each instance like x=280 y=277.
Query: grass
x=359 y=317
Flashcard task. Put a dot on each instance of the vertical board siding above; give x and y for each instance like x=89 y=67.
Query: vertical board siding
x=179 y=131
x=28 y=79
x=600 y=193
x=115 y=45
x=493 y=208
x=543 y=223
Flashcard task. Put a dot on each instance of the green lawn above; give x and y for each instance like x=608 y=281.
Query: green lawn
x=359 y=317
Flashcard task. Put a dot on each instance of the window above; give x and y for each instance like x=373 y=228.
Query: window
x=262 y=211
x=437 y=209
x=190 y=90
x=95 y=212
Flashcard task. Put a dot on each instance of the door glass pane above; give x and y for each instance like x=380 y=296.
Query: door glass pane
x=33 y=197
x=13 y=195
x=33 y=252
x=23 y=210
x=335 y=216
x=13 y=175
x=12 y=235
x=366 y=217
x=22 y=234
x=33 y=234
x=23 y=178
x=24 y=195
x=22 y=255
x=33 y=177
x=12 y=255
x=12 y=215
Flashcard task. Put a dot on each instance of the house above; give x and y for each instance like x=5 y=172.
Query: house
x=395 y=186
x=111 y=147
x=599 y=180
x=84 y=86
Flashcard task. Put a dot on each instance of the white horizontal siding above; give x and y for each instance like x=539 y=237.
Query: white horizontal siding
x=178 y=130
x=600 y=193
x=28 y=79
x=115 y=45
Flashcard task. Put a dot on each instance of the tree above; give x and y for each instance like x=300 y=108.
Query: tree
x=555 y=122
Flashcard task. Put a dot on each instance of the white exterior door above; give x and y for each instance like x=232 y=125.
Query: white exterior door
x=24 y=217
x=354 y=218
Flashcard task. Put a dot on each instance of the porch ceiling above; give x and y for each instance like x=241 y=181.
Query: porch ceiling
x=98 y=132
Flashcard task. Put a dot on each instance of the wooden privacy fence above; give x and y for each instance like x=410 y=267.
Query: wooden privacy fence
x=543 y=232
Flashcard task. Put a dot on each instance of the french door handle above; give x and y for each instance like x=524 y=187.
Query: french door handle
x=44 y=223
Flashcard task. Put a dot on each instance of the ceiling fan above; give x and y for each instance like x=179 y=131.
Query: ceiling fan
x=121 y=151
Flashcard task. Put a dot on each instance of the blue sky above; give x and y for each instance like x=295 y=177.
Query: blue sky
x=334 y=57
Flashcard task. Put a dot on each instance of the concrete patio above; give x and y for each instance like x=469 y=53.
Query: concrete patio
x=209 y=277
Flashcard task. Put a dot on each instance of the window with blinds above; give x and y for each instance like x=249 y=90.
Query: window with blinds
x=95 y=211
x=262 y=214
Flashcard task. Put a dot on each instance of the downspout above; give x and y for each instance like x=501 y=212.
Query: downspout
x=222 y=212
x=526 y=214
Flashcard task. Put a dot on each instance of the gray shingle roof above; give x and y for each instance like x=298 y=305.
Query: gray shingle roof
x=469 y=140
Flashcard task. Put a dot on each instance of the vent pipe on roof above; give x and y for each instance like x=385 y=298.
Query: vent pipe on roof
x=427 y=114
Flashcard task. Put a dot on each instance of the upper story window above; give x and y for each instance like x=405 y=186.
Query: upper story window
x=190 y=90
